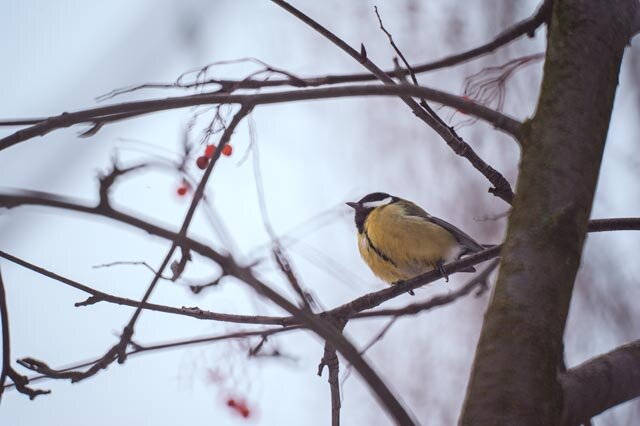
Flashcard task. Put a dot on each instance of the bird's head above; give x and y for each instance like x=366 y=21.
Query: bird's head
x=369 y=203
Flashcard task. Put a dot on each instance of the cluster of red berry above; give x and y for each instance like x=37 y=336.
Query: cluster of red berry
x=203 y=161
x=239 y=407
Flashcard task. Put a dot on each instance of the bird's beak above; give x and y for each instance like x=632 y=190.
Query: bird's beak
x=352 y=205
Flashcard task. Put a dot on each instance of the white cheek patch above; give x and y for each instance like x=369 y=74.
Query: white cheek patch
x=374 y=204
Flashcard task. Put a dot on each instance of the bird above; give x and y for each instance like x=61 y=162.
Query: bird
x=398 y=240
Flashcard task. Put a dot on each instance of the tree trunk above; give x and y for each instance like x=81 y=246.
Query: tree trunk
x=514 y=375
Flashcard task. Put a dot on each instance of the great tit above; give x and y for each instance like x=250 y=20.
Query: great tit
x=399 y=240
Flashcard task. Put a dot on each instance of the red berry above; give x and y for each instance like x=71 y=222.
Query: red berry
x=231 y=402
x=202 y=162
x=244 y=412
x=209 y=150
x=182 y=190
x=227 y=150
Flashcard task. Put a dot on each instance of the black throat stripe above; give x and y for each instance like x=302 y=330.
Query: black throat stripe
x=377 y=251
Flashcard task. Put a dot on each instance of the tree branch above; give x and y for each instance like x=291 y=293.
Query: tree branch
x=118 y=351
x=97 y=296
x=19 y=381
x=312 y=321
x=600 y=383
x=501 y=188
x=137 y=108
x=153 y=347
x=330 y=359
x=478 y=281
x=348 y=310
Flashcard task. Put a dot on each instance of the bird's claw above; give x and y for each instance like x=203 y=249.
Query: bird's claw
x=443 y=272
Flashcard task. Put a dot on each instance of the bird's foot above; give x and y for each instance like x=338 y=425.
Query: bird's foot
x=401 y=281
x=443 y=272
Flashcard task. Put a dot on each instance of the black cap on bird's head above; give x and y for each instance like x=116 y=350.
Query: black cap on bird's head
x=367 y=204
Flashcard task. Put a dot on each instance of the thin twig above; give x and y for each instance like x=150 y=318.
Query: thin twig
x=118 y=351
x=279 y=253
x=368 y=346
x=130 y=262
x=175 y=344
x=501 y=187
x=99 y=296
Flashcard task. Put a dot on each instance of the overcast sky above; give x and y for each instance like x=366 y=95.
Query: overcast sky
x=313 y=156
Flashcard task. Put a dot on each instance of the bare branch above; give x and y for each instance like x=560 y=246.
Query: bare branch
x=99 y=296
x=130 y=262
x=378 y=337
x=176 y=344
x=330 y=360
x=478 y=281
x=618 y=224
x=19 y=381
x=107 y=180
x=600 y=383
x=313 y=322
x=501 y=188
x=278 y=250
x=118 y=351
x=133 y=109
x=347 y=310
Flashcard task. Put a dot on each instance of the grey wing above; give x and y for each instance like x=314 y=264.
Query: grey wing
x=469 y=243
x=465 y=240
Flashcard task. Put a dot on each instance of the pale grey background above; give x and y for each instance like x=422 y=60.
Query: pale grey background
x=58 y=56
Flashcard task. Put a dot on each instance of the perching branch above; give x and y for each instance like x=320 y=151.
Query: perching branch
x=313 y=322
x=376 y=298
x=348 y=310
x=308 y=319
x=477 y=282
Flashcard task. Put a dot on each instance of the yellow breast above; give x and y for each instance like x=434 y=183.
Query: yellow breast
x=398 y=247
